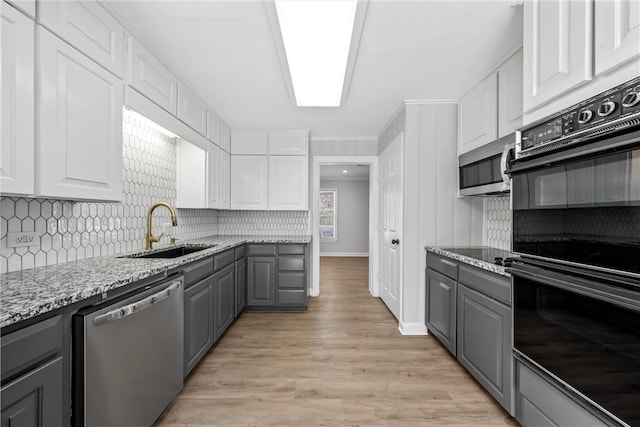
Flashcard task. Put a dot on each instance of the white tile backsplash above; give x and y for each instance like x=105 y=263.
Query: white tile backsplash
x=264 y=223
x=497 y=223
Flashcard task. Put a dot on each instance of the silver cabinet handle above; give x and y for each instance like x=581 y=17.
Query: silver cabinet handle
x=134 y=307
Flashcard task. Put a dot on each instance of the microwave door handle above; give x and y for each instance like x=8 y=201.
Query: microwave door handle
x=137 y=306
x=504 y=163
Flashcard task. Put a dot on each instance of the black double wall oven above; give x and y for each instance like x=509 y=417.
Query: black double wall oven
x=576 y=225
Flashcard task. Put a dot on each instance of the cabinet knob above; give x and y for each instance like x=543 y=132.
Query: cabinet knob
x=395 y=241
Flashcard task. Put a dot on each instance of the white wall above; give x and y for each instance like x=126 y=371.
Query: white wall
x=352 y=220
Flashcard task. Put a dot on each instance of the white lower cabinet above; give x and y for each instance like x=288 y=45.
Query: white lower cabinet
x=17 y=168
x=79 y=124
x=288 y=183
x=249 y=182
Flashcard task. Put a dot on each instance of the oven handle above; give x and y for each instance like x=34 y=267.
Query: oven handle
x=599 y=291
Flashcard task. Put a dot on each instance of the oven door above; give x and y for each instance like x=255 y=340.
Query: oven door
x=585 y=333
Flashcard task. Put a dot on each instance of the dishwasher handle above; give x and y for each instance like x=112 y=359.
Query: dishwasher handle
x=134 y=307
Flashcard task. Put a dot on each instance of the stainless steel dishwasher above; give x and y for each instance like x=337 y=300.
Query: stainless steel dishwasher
x=128 y=356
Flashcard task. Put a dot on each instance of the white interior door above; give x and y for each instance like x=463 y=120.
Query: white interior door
x=391 y=225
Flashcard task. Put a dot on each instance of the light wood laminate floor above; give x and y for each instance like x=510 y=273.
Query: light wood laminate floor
x=343 y=362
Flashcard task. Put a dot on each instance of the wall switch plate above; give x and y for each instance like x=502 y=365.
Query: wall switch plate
x=25 y=238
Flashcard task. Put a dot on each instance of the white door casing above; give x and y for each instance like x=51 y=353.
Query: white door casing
x=390 y=241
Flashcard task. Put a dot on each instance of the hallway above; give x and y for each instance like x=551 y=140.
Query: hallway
x=343 y=362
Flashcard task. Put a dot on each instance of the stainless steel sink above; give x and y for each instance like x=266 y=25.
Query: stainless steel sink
x=173 y=252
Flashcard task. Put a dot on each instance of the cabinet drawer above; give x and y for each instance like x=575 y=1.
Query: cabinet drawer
x=291 y=263
x=292 y=297
x=291 y=249
x=539 y=403
x=261 y=250
x=31 y=345
x=241 y=252
x=222 y=260
x=291 y=280
x=442 y=265
x=196 y=271
x=494 y=285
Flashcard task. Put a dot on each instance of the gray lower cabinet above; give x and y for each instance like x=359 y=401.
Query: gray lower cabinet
x=33 y=391
x=35 y=399
x=224 y=289
x=292 y=276
x=484 y=342
x=441 y=308
x=261 y=281
x=241 y=285
x=541 y=404
x=198 y=322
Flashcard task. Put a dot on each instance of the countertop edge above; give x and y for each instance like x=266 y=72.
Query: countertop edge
x=468 y=260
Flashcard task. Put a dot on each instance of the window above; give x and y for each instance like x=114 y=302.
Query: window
x=328 y=212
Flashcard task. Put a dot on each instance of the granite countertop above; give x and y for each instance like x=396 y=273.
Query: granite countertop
x=478 y=256
x=28 y=293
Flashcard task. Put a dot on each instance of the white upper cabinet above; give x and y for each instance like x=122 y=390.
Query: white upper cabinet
x=225 y=137
x=79 y=124
x=249 y=143
x=213 y=127
x=213 y=176
x=191 y=110
x=151 y=78
x=478 y=115
x=26 y=6
x=225 y=180
x=558 y=48
x=17 y=168
x=617 y=33
x=510 y=95
x=288 y=143
x=249 y=182
x=89 y=27
x=191 y=176
x=287 y=188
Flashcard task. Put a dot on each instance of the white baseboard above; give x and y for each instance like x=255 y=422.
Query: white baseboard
x=354 y=254
x=412 y=328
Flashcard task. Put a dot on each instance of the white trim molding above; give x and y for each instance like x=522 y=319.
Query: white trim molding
x=412 y=328
x=345 y=254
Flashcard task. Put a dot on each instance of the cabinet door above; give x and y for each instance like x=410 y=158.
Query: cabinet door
x=241 y=285
x=35 y=399
x=510 y=95
x=225 y=137
x=484 y=343
x=225 y=180
x=617 y=33
x=79 y=129
x=261 y=281
x=191 y=110
x=249 y=143
x=213 y=176
x=191 y=176
x=558 y=49
x=288 y=143
x=198 y=322
x=249 y=182
x=151 y=78
x=17 y=162
x=26 y=6
x=288 y=183
x=213 y=127
x=441 y=308
x=478 y=115
x=224 y=290
x=89 y=27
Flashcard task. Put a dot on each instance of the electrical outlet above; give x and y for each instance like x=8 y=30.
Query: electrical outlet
x=25 y=238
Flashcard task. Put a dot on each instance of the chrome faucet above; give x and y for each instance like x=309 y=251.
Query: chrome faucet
x=150 y=238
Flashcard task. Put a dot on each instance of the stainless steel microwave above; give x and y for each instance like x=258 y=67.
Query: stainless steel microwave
x=482 y=170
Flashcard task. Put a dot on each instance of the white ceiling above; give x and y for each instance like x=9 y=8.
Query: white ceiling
x=354 y=171
x=225 y=52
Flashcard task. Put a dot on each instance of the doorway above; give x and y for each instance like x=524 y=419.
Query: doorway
x=364 y=167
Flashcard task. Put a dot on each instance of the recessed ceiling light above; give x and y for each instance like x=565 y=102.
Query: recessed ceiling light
x=317 y=37
x=345 y=171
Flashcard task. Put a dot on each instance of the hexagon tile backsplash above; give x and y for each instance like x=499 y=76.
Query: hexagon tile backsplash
x=72 y=231
x=497 y=223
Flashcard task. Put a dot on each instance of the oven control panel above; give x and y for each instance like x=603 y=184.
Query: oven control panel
x=610 y=111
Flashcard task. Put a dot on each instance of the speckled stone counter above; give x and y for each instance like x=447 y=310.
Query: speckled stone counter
x=29 y=293
x=477 y=256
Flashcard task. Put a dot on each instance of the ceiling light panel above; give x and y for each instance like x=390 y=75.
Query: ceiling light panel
x=317 y=36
